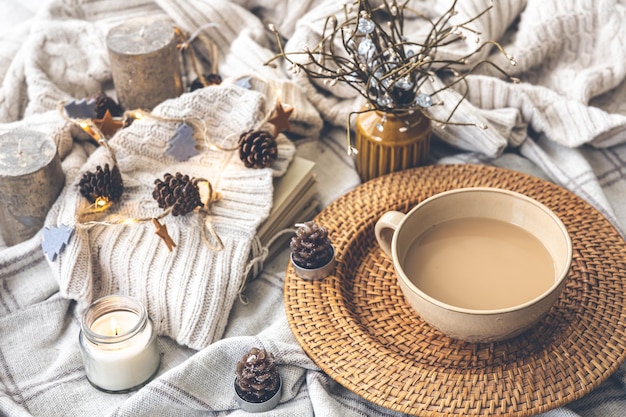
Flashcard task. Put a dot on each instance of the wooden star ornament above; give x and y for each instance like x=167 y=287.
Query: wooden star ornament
x=108 y=125
x=161 y=231
x=280 y=118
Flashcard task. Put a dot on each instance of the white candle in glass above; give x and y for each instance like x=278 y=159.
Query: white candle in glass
x=118 y=344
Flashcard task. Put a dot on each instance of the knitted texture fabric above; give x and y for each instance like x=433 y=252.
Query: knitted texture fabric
x=66 y=55
x=35 y=83
x=241 y=39
x=188 y=292
x=559 y=74
x=60 y=54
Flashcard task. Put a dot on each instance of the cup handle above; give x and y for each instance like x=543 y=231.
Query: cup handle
x=385 y=227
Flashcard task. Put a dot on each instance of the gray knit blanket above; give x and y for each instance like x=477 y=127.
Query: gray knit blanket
x=565 y=122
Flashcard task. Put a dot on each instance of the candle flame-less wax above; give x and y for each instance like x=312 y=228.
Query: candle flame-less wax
x=145 y=62
x=31 y=178
x=118 y=344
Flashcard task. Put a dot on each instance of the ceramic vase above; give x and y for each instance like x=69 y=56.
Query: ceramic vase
x=388 y=142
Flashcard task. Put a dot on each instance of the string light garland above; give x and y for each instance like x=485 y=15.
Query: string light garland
x=278 y=116
x=98 y=123
x=101 y=203
x=107 y=194
x=385 y=67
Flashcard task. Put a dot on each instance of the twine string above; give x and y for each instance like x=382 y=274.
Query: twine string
x=205 y=219
x=125 y=221
x=259 y=255
x=207 y=226
x=187 y=46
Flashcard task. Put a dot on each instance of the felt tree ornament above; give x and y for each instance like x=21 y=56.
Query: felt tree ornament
x=182 y=146
x=81 y=109
x=311 y=247
x=257 y=377
x=178 y=192
x=55 y=239
x=244 y=82
x=257 y=148
x=105 y=184
x=104 y=112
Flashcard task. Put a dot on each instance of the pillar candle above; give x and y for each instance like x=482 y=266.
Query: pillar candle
x=145 y=62
x=31 y=178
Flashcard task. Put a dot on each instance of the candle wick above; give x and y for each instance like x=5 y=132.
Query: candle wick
x=114 y=325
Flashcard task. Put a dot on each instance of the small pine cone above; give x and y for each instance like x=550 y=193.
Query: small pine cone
x=104 y=103
x=257 y=149
x=106 y=183
x=177 y=191
x=211 y=79
x=257 y=375
x=311 y=247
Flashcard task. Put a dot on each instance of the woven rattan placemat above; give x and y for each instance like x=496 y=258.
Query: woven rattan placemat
x=357 y=327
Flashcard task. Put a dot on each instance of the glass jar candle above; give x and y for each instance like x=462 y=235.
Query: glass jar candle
x=118 y=344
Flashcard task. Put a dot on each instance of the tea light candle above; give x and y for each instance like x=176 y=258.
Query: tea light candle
x=31 y=178
x=145 y=62
x=118 y=344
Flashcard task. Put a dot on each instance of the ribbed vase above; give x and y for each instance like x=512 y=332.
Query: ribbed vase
x=388 y=142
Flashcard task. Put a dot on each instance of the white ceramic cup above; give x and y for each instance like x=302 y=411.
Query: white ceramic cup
x=396 y=231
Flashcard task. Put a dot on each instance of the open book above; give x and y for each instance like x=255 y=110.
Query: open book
x=294 y=202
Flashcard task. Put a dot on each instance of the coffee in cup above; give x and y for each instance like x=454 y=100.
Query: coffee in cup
x=480 y=264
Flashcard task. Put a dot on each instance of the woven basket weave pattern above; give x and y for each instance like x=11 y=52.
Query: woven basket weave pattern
x=358 y=328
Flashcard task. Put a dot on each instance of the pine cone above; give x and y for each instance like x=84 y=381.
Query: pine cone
x=257 y=375
x=106 y=183
x=311 y=247
x=257 y=149
x=211 y=79
x=177 y=191
x=104 y=103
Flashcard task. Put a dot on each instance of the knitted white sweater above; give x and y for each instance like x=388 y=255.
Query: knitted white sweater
x=190 y=291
